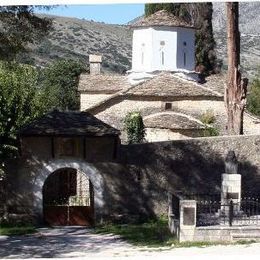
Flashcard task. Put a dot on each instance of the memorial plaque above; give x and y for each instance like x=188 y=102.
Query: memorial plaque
x=232 y=195
x=189 y=216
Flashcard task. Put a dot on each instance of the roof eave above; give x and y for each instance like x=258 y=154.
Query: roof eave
x=161 y=25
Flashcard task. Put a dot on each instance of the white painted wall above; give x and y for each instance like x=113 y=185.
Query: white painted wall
x=187 y=36
x=142 y=43
x=169 y=37
x=149 y=43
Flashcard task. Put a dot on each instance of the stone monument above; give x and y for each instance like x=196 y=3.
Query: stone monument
x=231 y=184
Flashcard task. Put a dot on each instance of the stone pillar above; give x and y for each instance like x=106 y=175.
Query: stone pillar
x=95 y=64
x=230 y=189
x=188 y=210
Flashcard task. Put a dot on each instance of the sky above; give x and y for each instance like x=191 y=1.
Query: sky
x=110 y=13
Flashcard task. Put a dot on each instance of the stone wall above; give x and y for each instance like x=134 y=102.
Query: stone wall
x=38 y=159
x=161 y=134
x=192 y=166
x=88 y=100
x=114 y=114
x=137 y=182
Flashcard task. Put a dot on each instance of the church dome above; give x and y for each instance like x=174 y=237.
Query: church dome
x=162 y=18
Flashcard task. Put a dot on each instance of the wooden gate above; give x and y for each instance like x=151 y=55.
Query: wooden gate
x=68 y=199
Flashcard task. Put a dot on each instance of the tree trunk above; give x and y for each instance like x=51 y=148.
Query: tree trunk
x=235 y=91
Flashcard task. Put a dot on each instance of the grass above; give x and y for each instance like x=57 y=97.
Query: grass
x=155 y=234
x=152 y=233
x=11 y=230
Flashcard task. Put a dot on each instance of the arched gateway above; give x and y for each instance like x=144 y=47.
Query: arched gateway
x=68 y=198
x=61 y=150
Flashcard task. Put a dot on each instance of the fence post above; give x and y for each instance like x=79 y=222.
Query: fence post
x=188 y=211
x=173 y=221
x=231 y=212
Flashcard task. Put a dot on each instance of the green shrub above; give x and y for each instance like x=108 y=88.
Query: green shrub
x=208 y=117
x=134 y=126
x=253 y=100
x=210 y=131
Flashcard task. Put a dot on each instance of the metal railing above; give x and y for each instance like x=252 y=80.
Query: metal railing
x=245 y=212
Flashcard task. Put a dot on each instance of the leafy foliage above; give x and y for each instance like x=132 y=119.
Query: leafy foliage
x=253 y=101
x=209 y=119
x=134 y=127
x=176 y=9
x=60 y=81
x=18 y=27
x=200 y=14
x=210 y=131
x=20 y=102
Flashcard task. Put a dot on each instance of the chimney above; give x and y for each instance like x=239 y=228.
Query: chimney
x=95 y=64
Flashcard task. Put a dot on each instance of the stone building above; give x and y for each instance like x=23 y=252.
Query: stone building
x=162 y=85
x=72 y=170
x=55 y=179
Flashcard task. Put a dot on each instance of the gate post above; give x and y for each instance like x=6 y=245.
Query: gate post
x=231 y=212
x=188 y=211
x=173 y=221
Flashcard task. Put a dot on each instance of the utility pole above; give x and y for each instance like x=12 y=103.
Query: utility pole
x=236 y=88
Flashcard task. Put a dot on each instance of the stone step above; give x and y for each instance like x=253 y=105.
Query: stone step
x=246 y=237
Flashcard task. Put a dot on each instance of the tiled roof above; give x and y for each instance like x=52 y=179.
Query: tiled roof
x=172 y=120
x=167 y=85
x=216 y=82
x=58 y=123
x=102 y=83
x=162 y=18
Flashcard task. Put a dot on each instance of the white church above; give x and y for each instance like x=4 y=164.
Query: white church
x=163 y=47
x=162 y=85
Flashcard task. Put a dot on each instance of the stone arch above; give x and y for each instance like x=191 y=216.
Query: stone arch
x=87 y=168
x=177 y=114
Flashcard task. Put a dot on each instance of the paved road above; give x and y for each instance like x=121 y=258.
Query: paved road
x=80 y=242
x=62 y=242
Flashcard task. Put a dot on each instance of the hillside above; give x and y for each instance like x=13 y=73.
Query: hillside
x=249 y=25
x=77 y=38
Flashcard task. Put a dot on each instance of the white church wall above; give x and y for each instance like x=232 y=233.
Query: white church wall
x=186 y=49
x=142 y=49
x=88 y=100
x=164 y=44
x=163 y=48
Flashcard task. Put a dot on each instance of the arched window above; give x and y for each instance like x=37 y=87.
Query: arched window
x=162 y=44
x=142 y=53
x=184 y=54
x=142 y=58
x=162 y=57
